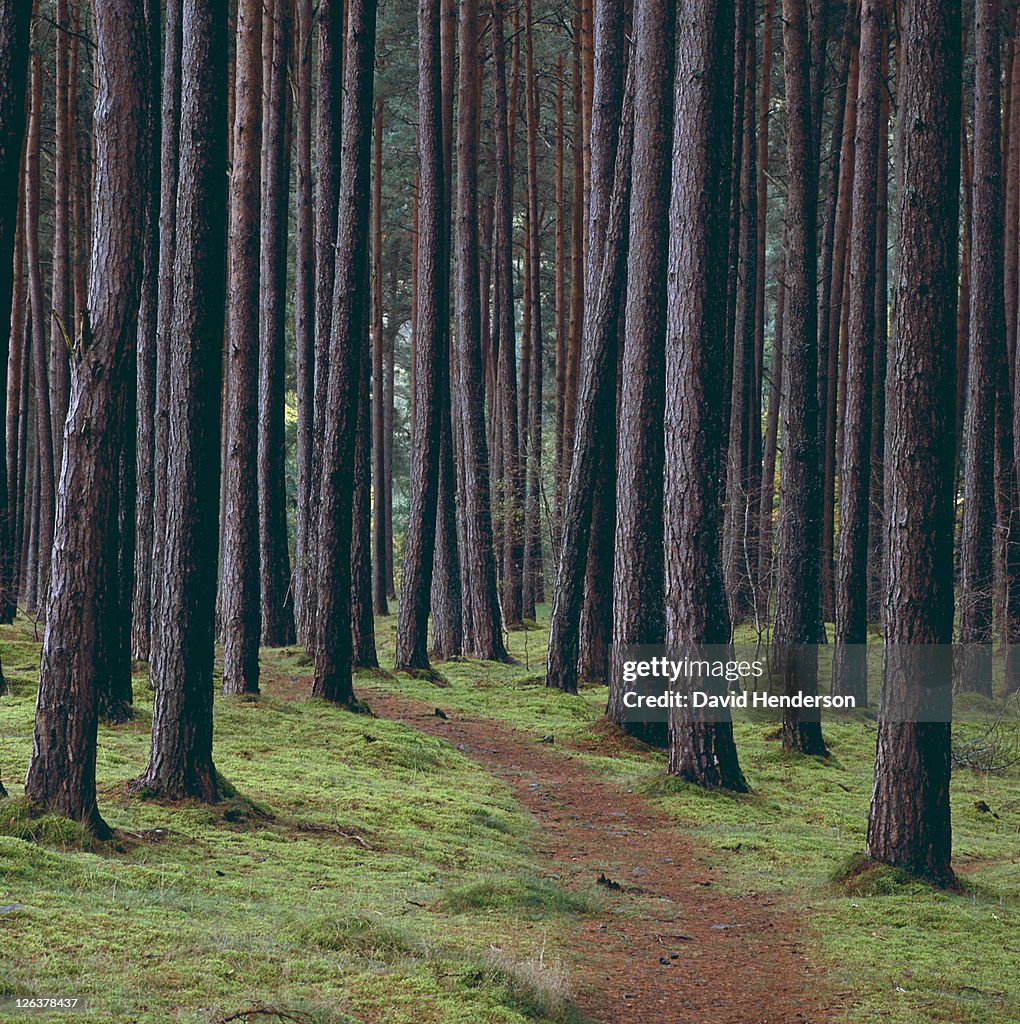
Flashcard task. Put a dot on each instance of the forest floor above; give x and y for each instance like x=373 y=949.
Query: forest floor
x=413 y=868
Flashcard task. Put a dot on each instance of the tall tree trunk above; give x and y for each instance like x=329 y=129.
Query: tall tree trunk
x=909 y=822
x=798 y=621
x=17 y=363
x=561 y=301
x=362 y=620
x=145 y=382
x=484 y=636
x=597 y=389
x=180 y=760
x=62 y=772
x=987 y=336
x=274 y=560
x=702 y=752
x=447 y=598
x=169 y=174
x=378 y=341
x=240 y=609
x=850 y=662
x=14 y=34
x=60 y=296
x=577 y=208
x=511 y=479
x=332 y=679
x=745 y=409
x=766 y=505
x=532 y=434
x=304 y=308
x=329 y=113
x=638 y=607
x=596 y=621
x=876 y=533
x=419 y=545
x=389 y=370
x=42 y=546
x=830 y=283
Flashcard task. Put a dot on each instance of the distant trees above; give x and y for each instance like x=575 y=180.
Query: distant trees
x=640 y=329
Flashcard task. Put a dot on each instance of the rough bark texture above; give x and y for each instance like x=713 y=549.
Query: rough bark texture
x=850 y=664
x=180 y=760
x=304 y=304
x=446 y=598
x=145 y=374
x=378 y=342
x=62 y=772
x=987 y=336
x=483 y=636
x=240 y=611
x=798 y=621
x=531 y=433
x=637 y=575
x=702 y=752
x=597 y=387
x=909 y=823
x=42 y=536
x=274 y=559
x=14 y=31
x=60 y=308
x=332 y=631
x=419 y=546
x=510 y=481
x=329 y=107
x=169 y=173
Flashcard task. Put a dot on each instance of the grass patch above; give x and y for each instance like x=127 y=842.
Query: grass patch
x=315 y=886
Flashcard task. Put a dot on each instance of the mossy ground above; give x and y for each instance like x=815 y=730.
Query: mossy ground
x=195 y=912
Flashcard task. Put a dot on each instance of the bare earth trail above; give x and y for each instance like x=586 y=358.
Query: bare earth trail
x=736 y=959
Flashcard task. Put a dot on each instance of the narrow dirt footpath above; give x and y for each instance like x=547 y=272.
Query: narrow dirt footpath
x=670 y=949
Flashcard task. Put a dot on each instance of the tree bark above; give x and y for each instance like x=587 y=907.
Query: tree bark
x=638 y=607
x=60 y=281
x=62 y=772
x=484 y=636
x=850 y=663
x=378 y=341
x=304 y=307
x=14 y=35
x=909 y=822
x=597 y=389
x=274 y=559
x=798 y=620
x=700 y=751
x=169 y=174
x=240 y=609
x=987 y=336
x=145 y=383
x=42 y=546
x=328 y=128
x=419 y=545
x=180 y=760
x=332 y=680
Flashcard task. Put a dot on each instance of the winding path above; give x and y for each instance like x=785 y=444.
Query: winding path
x=670 y=949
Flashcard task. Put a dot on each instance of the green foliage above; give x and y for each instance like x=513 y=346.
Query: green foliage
x=319 y=887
